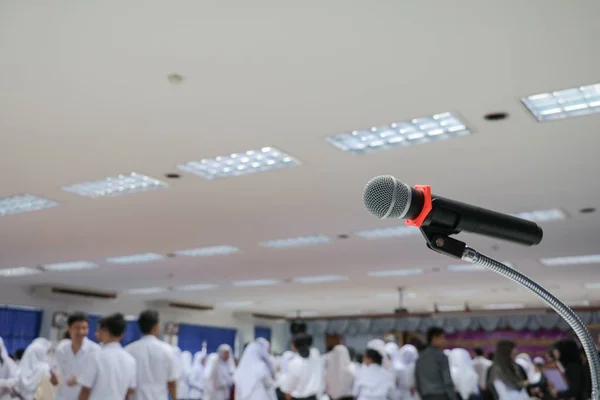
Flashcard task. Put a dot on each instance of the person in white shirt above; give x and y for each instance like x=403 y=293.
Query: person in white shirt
x=8 y=372
x=408 y=356
x=373 y=381
x=254 y=378
x=339 y=374
x=481 y=366
x=505 y=379
x=218 y=374
x=303 y=379
x=155 y=361
x=186 y=365
x=196 y=378
x=72 y=355
x=464 y=377
x=111 y=372
x=34 y=369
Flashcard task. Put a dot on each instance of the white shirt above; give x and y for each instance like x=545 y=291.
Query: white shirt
x=110 y=374
x=508 y=393
x=71 y=365
x=156 y=365
x=303 y=377
x=481 y=366
x=373 y=382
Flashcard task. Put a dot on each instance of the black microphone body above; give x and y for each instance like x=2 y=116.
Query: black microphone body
x=452 y=216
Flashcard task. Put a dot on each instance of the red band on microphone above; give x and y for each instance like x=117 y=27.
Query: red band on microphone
x=419 y=219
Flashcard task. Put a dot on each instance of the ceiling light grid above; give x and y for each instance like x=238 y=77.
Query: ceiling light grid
x=208 y=251
x=301 y=241
x=18 y=272
x=119 y=185
x=567 y=103
x=396 y=231
x=69 y=266
x=135 y=258
x=22 y=203
x=396 y=272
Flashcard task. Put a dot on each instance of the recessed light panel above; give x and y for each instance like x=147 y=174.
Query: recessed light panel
x=196 y=287
x=575 y=260
x=542 y=215
x=396 y=231
x=142 y=291
x=18 y=271
x=116 y=186
x=395 y=272
x=575 y=102
x=301 y=241
x=22 y=203
x=208 y=251
x=135 y=258
x=319 y=278
x=235 y=164
x=258 y=282
x=470 y=267
x=504 y=306
x=450 y=308
x=69 y=266
x=592 y=285
x=400 y=134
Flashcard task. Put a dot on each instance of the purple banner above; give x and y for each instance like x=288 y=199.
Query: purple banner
x=534 y=343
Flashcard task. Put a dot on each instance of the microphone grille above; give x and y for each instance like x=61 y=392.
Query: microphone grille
x=386 y=197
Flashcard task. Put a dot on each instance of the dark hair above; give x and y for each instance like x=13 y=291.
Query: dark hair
x=329 y=348
x=147 y=320
x=433 y=333
x=478 y=351
x=505 y=368
x=374 y=355
x=569 y=352
x=18 y=354
x=491 y=356
x=115 y=324
x=77 y=316
x=303 y=342
x=359 y=358
x=352 y=353
x=66 y=335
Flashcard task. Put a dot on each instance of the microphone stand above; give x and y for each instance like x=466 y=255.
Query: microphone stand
x=440 y=241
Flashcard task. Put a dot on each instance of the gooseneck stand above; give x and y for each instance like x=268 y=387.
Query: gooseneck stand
x=440 y=241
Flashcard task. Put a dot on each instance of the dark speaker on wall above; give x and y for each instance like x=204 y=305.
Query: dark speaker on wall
x=297 y=327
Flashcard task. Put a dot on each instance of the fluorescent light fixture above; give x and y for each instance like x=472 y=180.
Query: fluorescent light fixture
x=504 y=306
x=542 y=215
x=396 y=272
x=21 y=203
x=237 y=304
x=470 y=267
x=395 y=296
x=135 y=258
x=18 y=271
x=396 y=231
x=400 y=134
x=196 y=287
x=578 y=303
x=236 y=164
x=69 y=266
x=258 y=282
x=575 y=260
x=319 y=278
x=459 y=293
x=301 y=241
x=592 y=285
x=116 y=186
x=450 y=308
x=574 y=102
x=150 y=290
x=208 y=251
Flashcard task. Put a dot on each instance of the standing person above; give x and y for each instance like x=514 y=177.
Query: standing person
x=481 y=366
x=156 y=374
x=568 y=355
x=254 y=378
x=505 y=380
x=111 y=372
x=34 y=373
x=393 y=352
x=303 y=379
x=373 y=381
x=218 y=374
x=408 y=356
x=433 y=380
x=72 y=355
x=8 y=373
x=339 y=374
x=466 y=380
x=196 y=379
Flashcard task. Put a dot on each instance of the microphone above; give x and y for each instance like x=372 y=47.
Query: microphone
x=387 y=197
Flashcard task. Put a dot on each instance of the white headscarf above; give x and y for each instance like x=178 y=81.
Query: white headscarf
x=338 y=375
x=217 y=372
x=533 y=375
x=379 y=346
x=269 y=360
x=8 y=370
x=466 y=380
x=393 y=352
x=197 y=372
x=253 y=367
x=34 y=366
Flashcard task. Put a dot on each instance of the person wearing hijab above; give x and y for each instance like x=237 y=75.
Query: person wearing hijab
x=303 y=378
x=393 y=352
x=408 y=356
x=505 y=380
x=8 y=373
x=254 y=378
x=339 y=374
x=218 y=374
x=186 y=370
x=568 y=355
x=34 y=369
x=466 y=380
x=537 y=383
x=196 y=379
x=481 y=366
x=373 y=381
x=379 y=346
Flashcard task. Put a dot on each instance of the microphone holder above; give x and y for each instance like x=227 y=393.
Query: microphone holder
x=440 y=241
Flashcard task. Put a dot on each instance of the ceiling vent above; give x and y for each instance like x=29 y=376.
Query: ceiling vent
x=167 y=304
x=71 y=294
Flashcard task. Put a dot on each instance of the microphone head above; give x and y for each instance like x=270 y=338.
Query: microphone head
x=387 y=197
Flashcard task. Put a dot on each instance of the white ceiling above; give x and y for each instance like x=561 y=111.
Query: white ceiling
x=84 y=95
